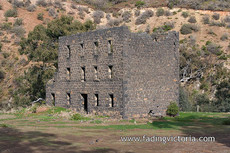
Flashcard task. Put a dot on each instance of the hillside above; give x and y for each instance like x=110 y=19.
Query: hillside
x=204 y=37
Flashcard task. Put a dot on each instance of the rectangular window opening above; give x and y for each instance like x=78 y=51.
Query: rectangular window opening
x=110 y=47
x=69 y=51
x=53 y=98
x=110 y=71
x=82 y=46
x=83 y=74
x=68 y=73
x=95 y=72
x=85 y=101
x=96 y=100
x=68 y=98
x=111 y=100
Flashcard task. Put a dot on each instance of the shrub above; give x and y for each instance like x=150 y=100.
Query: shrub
x=6 y=26
x=0 y=47
x=31 y=8
x=41 y=3
x=160 y=12
x=40 y=16
x=168 y=13
x=114 y=22
x=172 y=109
x=224 y=37
x=19 y=31
x=126 y=16
x=205 y=19
x=185 y=14
x=11 y=13
x=97 y=15
x=81 y=14
x=188 y=28
x=213 y=48
x=17 y=3
x=192 y=19
x=143 y=17
x=2 y=75
x=79 y=117
x=166 y=27
x=216 y=16
x=5 y=55
x=184 y=100
x=52 y=12
x=217 y=23
x=0 y=7
x=18 y=22
x=139 y=4
x=108 y=16
x=226 y=122
x=227 y=19
x=137 y=13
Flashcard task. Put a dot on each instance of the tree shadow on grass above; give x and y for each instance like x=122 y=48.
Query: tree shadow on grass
x=14 y=141
x=196 y=126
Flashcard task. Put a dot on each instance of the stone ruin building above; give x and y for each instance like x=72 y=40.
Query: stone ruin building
x=116 y=72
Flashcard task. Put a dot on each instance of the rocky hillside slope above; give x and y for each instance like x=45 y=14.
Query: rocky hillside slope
x=204 y=35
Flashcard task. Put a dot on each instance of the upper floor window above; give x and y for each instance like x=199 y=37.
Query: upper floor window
x=69 y=51
x=83 y=74
x=110 y=47
x=68 y=73
x=82 y=46
x=110 y=70
x=95 y=72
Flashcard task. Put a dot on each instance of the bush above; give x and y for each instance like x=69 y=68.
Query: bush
x=137 y=13
x=226 y=122
x=126 y=16
x=2 y=75
x=97 y=15
x=205 y=19
x=227 y=19
x=79 y=117
x=114 y=22
x=224 y=37
x=172 y=109
x=0 y=47
x=108 y=16
x=143 y=17
x=19 y=31
x=139 y=4
x=31 y=8
x=184 y=100
x=188 y=28
x=185 y=14
x=17 y=3
x=192 y=19
x=168 y=13
x=18 y=22
x=41 y=3
x=216 y=16
x=11 y=13
x=6 y=26
x=52 y=12
x=213 y=48
x=0 y=7
x=217 y=23
x=160 y=12
x=40 y=16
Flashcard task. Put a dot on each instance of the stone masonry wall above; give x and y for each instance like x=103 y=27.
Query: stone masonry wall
x=151 y=75
x=145 y=72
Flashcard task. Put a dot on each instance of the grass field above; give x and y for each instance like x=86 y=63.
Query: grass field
x=48 y=132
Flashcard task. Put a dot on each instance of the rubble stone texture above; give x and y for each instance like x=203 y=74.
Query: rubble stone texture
x=116 y=72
